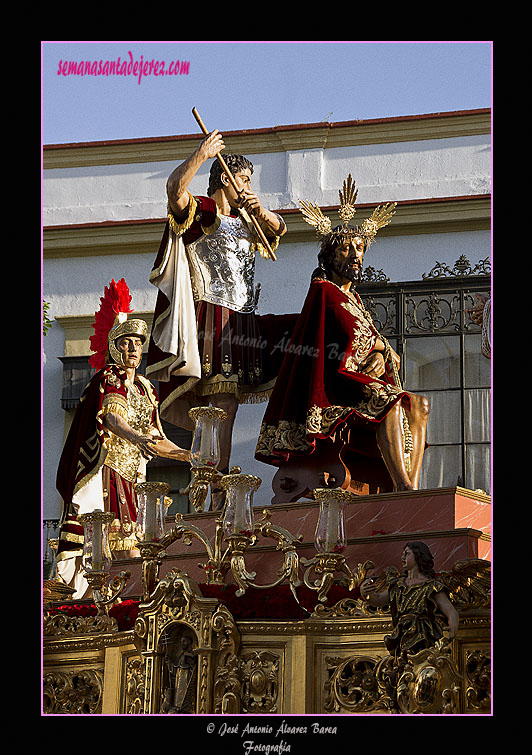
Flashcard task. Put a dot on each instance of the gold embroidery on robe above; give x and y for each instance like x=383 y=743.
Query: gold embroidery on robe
x=321 y=420
x=363 y=336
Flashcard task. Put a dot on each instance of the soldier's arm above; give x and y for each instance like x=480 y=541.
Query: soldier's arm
x=180 y=178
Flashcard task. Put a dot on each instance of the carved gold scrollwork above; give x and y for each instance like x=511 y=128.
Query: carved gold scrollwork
x=227 y=685
x=67 y=626
x=349 y=608
x=478 y=676
x=76 y=692
x=352 y=686
x=326 y=564
x=135 y=686
x=429 y=683
x=425 y=683
x=260 y=682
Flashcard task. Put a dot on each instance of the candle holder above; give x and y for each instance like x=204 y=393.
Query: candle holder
x=235 y=526
x=96 y=557
x=153 y=502
x=96 y=560
x=50 y=565
x=330 y=543
x=238 y=508
x=237 y=523
x=330 y=528
x=204 y=453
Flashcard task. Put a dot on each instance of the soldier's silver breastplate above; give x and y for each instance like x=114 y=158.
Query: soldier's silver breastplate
x=222 y=266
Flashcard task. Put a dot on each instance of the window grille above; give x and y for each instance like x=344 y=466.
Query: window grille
x=427 y=322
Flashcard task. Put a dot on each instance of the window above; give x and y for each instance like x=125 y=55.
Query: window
x=427 y=322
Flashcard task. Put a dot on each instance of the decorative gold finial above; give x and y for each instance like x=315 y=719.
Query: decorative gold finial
x=368 y=229
x=314 y=216
x=347 y=199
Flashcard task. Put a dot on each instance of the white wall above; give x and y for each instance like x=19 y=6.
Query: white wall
x=383 y=173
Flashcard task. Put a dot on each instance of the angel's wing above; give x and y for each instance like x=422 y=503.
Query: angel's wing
x=469 y=583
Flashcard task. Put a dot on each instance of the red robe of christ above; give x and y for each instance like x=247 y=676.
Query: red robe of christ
x=320 y=390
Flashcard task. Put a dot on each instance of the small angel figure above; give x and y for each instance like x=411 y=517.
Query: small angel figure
x=418 y=602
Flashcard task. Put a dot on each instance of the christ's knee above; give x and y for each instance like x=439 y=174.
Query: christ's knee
x=419 y=408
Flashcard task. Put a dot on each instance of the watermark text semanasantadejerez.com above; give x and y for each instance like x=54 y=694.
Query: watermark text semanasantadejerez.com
x=123 y=67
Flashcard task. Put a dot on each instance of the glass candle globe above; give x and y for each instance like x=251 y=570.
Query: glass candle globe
x=152 y=502
x=96 y=550
x=205 y=449
x=330 y=532
x=238 y=519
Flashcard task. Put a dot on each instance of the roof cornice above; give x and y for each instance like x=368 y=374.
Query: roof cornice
x=458 y=123
x=438 y=215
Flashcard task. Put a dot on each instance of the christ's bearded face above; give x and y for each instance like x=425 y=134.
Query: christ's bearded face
x=348 y=259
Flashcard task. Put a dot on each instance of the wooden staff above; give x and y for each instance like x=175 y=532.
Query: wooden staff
x=235 y=187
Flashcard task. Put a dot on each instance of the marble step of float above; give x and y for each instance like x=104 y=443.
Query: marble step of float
x=455 y=523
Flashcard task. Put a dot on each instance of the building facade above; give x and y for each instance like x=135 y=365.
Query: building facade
x=104 y=209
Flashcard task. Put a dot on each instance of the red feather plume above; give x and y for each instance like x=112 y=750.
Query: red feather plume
x=116 y=299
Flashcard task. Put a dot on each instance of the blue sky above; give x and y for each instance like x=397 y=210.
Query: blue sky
x=247 y=85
